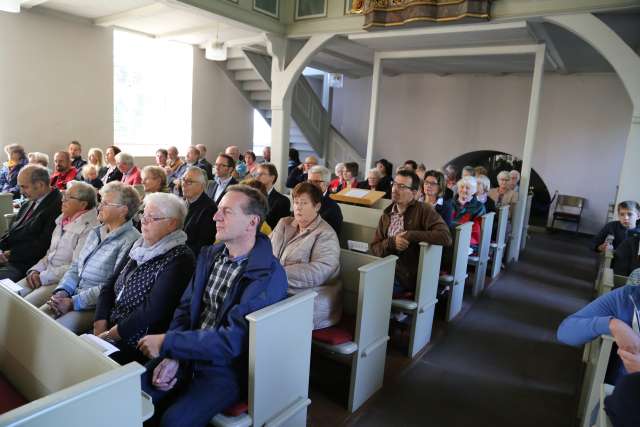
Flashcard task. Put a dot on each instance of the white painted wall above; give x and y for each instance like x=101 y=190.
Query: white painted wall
x=584 y=120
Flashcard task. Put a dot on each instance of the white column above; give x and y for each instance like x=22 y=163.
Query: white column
x=529 y=143
x=280 y=125
x=373 y=109
x=628 y=188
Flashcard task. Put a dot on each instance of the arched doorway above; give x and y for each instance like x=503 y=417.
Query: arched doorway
x=497 y=161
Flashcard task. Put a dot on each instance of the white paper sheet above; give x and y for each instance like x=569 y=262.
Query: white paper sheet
x=354 y=245
x=101 y=345
x=13 y=287
x=357 y=192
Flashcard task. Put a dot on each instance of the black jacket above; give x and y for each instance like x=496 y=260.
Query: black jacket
x=199 y=224
x=29 y=239
x=330 y=212
x=382 y=186
x=296 y=177
x=115 y=175
x=279 y=207
x=207 y=167
x=626 y=257
x=211 y=190
x=617 y=230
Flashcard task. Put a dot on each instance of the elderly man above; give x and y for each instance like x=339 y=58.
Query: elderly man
x=515 y=179
x=200 y=364
x=299 y=173
x=199 y=224
x=329 y=209
x=374 y=182
x=279 y=204
x=130 y=172
x=403 y=225
x=175 y=166
x=75 y=153
x=240 y=167
x=29 y=236
x=224 y=168
x=203 y=163
x=79 y=216
x=64 y=171
x=266 y=154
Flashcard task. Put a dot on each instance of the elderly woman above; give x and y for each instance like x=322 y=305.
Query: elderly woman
x=90 y=175
x=10 y=170
x=504 y=195
x=250 y=159
x=130 y=172
x=374 y=182
x=433 y=187
x=338 y=181
x=79 y=216
x=112 y=173
x=484 y=185
x=150 y=281
x=154 y=180
x=38 y=158
x=74 y=299
x=466 y=208
x=309 y=250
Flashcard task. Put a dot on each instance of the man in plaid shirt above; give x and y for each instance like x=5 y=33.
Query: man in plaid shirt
x=199 y=366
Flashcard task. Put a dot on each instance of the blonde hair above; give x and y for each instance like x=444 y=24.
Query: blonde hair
x=99 y=155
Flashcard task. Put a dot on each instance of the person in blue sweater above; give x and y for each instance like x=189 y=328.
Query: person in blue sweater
x=614 y=313
x=200 y=364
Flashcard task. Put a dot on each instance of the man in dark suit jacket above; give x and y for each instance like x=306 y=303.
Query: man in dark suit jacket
x=225 y=165
x=301 y=172
x=329 y=209
x=279 y=204
x=29 y=236
x=199 y=224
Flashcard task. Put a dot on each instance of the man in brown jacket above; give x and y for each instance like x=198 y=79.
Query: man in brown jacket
x=403 y=225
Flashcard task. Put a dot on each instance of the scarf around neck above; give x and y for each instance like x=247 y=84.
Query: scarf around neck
x=141 y=253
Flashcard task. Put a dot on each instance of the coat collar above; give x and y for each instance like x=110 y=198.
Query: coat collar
x=88 y=218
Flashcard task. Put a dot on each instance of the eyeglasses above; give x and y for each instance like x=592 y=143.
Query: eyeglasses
x=105 y=204
x=220 y=165
x=315 y=181
x=431 y=183
x=150 y=219
x=189 y=181
x=66 y=198
x=401 y=186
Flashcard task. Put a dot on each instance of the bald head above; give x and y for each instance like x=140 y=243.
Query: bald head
x=233 y=151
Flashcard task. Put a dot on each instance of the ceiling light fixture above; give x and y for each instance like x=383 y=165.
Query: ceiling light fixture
x=12 y=6
x=216 y=50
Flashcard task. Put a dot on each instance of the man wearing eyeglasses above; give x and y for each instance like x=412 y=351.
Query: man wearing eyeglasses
x=199 y=224
x=329 y=209
x=225 y=166
x=403 y=225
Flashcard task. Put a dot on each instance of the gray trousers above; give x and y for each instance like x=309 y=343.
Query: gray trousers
x=78 y=322
x=39 y=296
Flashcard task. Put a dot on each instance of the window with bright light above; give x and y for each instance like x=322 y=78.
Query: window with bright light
x=152 y=88
x=261 y=133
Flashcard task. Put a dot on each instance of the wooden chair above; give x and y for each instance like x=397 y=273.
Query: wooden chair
x=422 y=306
x=498 y=247
x=596 y=369
x=458 y=276
x=480 y=261
x=568 y=208
x=278 y=365
x=367 y=289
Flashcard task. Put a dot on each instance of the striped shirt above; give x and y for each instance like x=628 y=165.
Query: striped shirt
x=225 y=273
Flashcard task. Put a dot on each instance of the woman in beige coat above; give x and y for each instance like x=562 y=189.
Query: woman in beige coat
x=309 y=250
x=504 y=195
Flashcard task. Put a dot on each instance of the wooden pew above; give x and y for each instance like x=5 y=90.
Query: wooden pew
x=62 y=376
x=278 y=365
x=6 y=207
x=422 y=306
x=610 y=281
x=525 y=223
x=498 y=247
x=367 y=289
x=462 y=241
x=359 y=224
x=480 y=261
x=603 y=420
x=600 y=351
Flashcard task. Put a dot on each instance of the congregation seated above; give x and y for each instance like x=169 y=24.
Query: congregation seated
x=386 y=171
x=198 y=224
x=154 y=180
x=72 y=226
x=112 y=173
x=90 y=174
x=279 y=204
x=149 y=282
x=433 y=187
x=466 y=208
x=403 y=225
x=29 y=236
x=200 y=364
x=10 y=170
x=482 y=193
x=329 y=209
x=64 y=171
x=309 y=250
x=74 y=299
x=338 y=181
x=96 y=158
x=225 y=166
x=130 y=172
x=300 y=173
x=75 y=154
x=38 y=158
x=374 y=182
x=622 y=406
x=610 y=314
x=203 y=163
x=174 y=166
x=254 y=183
x=624 y=227
x=504 y=195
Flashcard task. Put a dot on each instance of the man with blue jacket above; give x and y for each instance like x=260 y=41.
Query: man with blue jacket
x=200 y=364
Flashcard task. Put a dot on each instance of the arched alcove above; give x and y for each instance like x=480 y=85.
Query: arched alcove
x=497 y=161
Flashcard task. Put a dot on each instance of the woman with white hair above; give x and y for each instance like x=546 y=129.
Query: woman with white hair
x=149 y=282
x=374 y=182
x=337 y=182
x=504 y=195
x=130 y=172
x=484 y=185
x=466 y=208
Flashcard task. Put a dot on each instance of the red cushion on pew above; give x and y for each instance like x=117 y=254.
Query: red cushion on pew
x=444 y=273
x=404 y=295
x=339 y=334
x=237 y=409
x=9 y=397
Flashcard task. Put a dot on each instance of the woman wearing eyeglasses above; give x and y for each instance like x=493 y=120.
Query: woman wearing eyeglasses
x=433 y=187
x=150 y=280
x=74 y=299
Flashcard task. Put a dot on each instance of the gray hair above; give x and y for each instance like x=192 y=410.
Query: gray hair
x=170 y=205
x=38 y=173
x=202 y=175
x=125 y=158
x=157 y=172
x=126 y=194
x=484 y=181
x=514 y=172
x=374 y=171
x=326 y=173
x=470 y=182
x=504 y=175
x=40 y=158
x=338 y=166
x=257 y=204
x=86 y=193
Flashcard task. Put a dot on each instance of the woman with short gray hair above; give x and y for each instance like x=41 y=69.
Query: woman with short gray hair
x=149 y=282
x=504 y=195
x=130 y=172
x=484 y=185
x=466 y=208
x=374 y=182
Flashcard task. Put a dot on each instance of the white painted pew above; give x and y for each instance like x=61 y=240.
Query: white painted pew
x=610 y=281
x=603 y=419
x=480 y=261
x=604 y=262
x=595 y=371
x=525 y=223
x=66 y=381
x=382 y=204
x=367 y=290
x=6 y=207
x=422 y=307
x=279 y=357
x=498 y=247
x=458 y=274
x=358 y=224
